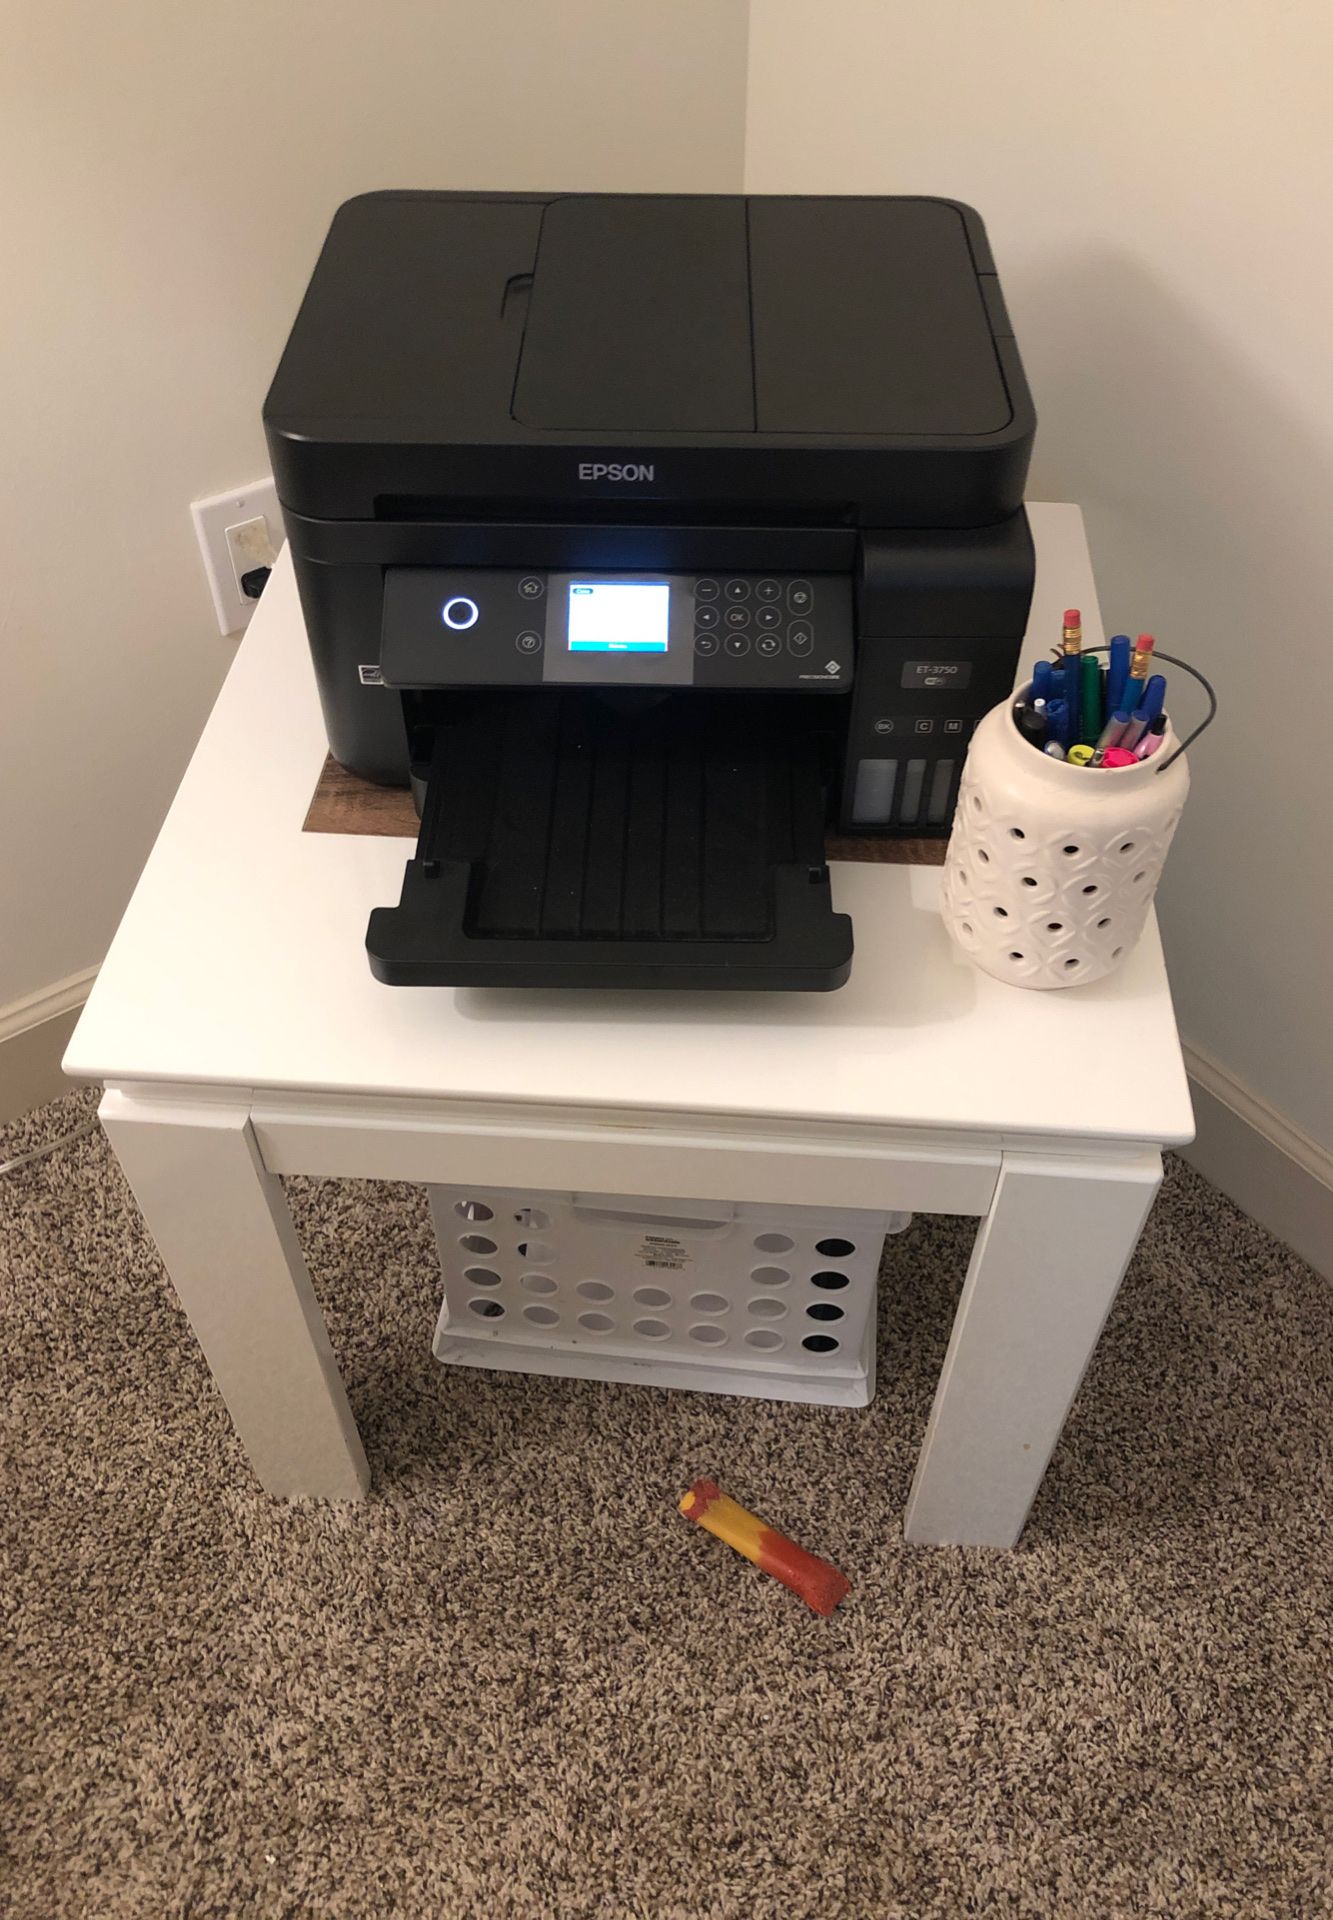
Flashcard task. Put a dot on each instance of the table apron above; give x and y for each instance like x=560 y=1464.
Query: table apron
x=823 y=1167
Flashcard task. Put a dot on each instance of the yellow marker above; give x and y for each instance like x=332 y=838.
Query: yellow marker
x=1080 y=756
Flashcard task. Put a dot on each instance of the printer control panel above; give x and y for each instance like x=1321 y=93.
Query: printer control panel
x=493 y=627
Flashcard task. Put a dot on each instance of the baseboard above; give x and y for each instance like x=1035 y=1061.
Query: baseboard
x=1273 y=1171
x=34 y=1033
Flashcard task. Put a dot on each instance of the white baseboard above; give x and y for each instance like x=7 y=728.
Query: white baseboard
x=34 y=1033
x=1274 y=1172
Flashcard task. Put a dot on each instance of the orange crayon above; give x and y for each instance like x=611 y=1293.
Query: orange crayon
x=820 y=1585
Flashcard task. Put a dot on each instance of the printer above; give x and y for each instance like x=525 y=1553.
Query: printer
x=662 y=543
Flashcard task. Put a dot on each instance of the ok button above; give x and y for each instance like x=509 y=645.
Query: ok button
x=460 y=613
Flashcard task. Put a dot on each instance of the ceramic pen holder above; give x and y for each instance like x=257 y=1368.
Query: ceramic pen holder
x=1051 y=868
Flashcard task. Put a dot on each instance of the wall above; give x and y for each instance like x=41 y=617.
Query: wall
x=167 y=173
x=1155 y=179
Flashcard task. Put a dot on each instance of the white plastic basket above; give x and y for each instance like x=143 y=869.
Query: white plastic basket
x=715 y=1296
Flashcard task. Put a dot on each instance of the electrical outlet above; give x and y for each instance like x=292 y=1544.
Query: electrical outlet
x=239 y=533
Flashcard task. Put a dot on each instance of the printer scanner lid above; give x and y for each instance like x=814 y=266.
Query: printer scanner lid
x=458 y=347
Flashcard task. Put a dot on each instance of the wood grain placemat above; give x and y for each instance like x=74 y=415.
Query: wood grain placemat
x=345 y=803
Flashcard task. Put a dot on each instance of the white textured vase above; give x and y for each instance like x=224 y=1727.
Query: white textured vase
x=1051 y=868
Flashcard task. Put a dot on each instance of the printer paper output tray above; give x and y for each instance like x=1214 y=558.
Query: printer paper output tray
x=574 y=840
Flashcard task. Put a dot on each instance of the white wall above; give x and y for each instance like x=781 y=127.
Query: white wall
x=1156 y=177
x=167 y=173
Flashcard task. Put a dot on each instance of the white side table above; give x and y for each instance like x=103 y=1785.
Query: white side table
x=240 y=1036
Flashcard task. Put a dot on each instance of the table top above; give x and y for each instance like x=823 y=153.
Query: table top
x=240 y=962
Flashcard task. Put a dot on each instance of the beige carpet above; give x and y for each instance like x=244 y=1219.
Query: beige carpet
x=513 y=1682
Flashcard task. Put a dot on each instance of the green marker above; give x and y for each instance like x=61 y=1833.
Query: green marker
x=1090 y=719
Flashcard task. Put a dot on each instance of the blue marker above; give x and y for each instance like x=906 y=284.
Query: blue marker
x=1041 y=681
x=1154 y=698
x=1117 y=672
x=1057 y=722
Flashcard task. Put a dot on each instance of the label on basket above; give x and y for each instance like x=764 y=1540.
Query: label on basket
x=660 y=1250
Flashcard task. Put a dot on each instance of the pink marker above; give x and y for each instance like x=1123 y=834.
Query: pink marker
x=1118 y=757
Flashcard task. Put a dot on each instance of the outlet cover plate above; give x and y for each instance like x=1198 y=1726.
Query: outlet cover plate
x=212 y=518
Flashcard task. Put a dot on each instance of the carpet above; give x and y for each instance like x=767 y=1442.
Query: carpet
x=514 y=1682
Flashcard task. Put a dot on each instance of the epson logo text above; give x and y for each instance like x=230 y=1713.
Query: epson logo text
x=596 y=470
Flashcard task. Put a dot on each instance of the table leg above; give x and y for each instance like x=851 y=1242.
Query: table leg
x=223 y=1229
x=1048 y=1260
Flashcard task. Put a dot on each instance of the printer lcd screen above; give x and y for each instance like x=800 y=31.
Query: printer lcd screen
x=618 y=616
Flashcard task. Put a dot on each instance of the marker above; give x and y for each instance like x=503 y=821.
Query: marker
x=1117 y=672
x=1032 y=725
x=1154 y=696
x=1152 y=739
x=1080 y=755
x=1055 y=750
x=1091 y=714
x=1041 y=681
x=1111 y=732
x=1137 y=727
x=1118 y=757
x=1071 y=645
x=1057 y=720
x=1138 y=671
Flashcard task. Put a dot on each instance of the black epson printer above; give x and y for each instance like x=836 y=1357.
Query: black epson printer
x=654 y=539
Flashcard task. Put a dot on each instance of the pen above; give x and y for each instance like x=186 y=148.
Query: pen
x=1091 y=715
x=1071 y=645
x=1055 y=750
x=1138 y=671
x=1117 y=671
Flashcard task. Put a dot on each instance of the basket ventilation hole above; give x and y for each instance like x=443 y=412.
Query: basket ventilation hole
x=473 y=1210
x=535 y=1250
x=542 y=1316
x=765 y=1339
x=533 y=1218
x=596 y=1322
x=710 y=1303
x=983 y=856
x=1138 y=877
x=1128 y=847
x=652 y=1297
x=1017 y=833
x=770 y=1276
x=538 y=1283
x=834 y=1249
x=595 y=1290
x=820 y=1343
x=1001 y=913
x=765 y=1309
x=1069 y=850
x=1116 y=952
x=774 y=1243
x=829 y=1282
x=1054 y=926
x=1028 y=881
x=708 y=1335
x=1090 y=888
x=1103 y=924
x=481 y=1276
x=652 y=1329
x=1015 y=955
x=1071 y=964
x=824 y=1310
x=476 y=1243
x=486 y=1309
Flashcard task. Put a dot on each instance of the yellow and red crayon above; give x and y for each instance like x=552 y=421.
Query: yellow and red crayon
x=820 y=1585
